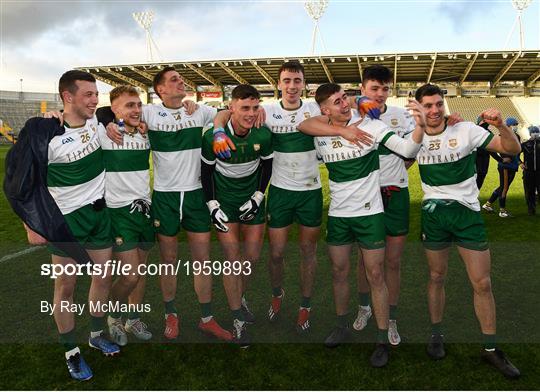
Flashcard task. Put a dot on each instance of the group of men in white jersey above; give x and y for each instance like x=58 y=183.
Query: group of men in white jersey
x=364 y=153
x=360 y=214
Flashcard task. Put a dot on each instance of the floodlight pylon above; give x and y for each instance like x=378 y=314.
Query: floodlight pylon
x=145 y=20
x=315 y=9
x=520 y=6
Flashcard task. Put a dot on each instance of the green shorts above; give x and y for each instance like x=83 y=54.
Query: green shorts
x=367 y=231
x=131 y=228
x=91 y=228
x=172 y=210
x=285 y=207
x=396 y=213
x=231 y=207
x=450 y=222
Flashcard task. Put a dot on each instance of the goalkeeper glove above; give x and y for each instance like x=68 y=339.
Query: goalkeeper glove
x=250 y=208
x=219 y=218
x=369 y=107
x=222 y=144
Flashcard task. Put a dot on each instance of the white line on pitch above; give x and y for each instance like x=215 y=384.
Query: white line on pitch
x=20 y=253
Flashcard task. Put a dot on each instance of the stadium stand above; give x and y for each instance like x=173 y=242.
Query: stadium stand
x=16 y=108
x=529 y=108
x=513 y=77
x=470 y=107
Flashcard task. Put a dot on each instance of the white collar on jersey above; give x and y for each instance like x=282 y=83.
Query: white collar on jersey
x=230 y=126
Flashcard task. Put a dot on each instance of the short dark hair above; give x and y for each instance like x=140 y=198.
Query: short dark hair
x=325 y=91
x=244 y=91
x=377 y=72
x=68 y=79
x=428 y=90
x=120 y=90
x=291 y=66
x=158 y=78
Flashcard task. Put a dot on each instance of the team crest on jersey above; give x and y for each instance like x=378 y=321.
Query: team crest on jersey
x=119 y=241
x=177 y=116
x=93 y=128
x=256 y=147
x=452 y=143
x=394 y=122
x=157 y=223
x=307 y=115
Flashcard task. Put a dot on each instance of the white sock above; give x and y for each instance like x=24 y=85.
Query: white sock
x=95 y=334
x=240 y=322
x=206 y=319
x=72 y=352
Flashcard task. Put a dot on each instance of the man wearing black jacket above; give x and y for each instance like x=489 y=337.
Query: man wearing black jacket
x=67 y=171
x=531 y=168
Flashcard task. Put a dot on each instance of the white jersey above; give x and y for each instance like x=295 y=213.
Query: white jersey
x=447 y=163
x=176 y=139
x=127 y=174
x=354 y=172
x=75 y=172
x=295 y=166
x=393 y=171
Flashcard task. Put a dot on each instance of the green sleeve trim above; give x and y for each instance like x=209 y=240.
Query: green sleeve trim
x=488 y=140
x=386 y=137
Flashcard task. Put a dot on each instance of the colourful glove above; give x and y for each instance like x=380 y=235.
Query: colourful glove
x=222 y=144
x=368 y=107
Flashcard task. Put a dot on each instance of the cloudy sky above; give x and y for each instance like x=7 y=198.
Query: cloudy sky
x=41 y=39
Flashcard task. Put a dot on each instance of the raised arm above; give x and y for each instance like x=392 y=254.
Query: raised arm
x=408 y=148
x=506 y=142
x=417 y=111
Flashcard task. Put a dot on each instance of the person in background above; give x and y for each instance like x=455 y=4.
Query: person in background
x=507 y=168
x=482 y=157
x=531 y=168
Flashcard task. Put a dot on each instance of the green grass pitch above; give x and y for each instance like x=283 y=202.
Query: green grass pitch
x=31 y=358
